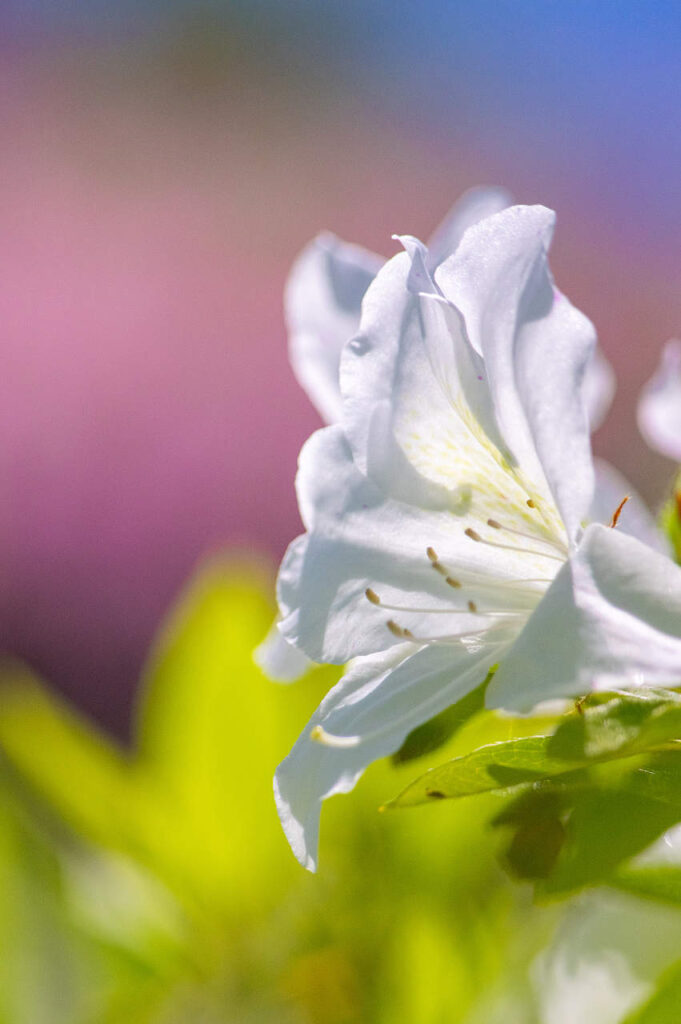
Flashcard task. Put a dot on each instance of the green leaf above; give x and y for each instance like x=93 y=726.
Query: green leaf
x=608 y=813
x=538 y=833
x=657 y=882
x=63 y=757
x=492 y=767
x=610 y=728
x=664 y=1005
x=628 y=723
x=438 y=730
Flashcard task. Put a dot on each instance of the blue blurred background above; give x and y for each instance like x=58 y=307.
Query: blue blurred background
x=162 y=164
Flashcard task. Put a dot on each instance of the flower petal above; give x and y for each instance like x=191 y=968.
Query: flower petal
x=659 y=408
x=279 y=660
x=598 y=388
x=535 y=345
x=417 y=409
x=323 y=299
x=472 y=207
x=611 y=618
x=373 y=708
x=358 y=538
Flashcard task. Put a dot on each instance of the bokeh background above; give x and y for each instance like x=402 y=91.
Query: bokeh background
x=161 y=164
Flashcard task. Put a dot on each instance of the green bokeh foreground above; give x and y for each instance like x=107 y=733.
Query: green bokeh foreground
x=156 y=885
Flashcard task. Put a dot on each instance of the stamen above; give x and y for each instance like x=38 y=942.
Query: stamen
x=479 y=578
x=396 y=629
x=496 y=525
x=372 y=596
x=453 y=638
x=435 y=561
x=618 y=511
x=530 y=503
x=328 y=739
x=512 y=547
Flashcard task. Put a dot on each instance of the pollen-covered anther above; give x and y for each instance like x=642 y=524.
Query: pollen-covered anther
x=435 y=561
x=398 y=631
x=453 y=583
x=530 y=503
x=372 y=596
x=472 y=606
x=470 y=532
x=494 y=524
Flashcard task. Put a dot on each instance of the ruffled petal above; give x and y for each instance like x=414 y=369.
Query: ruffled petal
x=473 y=206
x=659 y=408
x=611 y=618
x=535 y=345
x=598 y=388
x=367 y=715
x=322 y=302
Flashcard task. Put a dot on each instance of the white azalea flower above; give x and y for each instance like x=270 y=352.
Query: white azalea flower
x=323 y=304
x=659 y=409
x=444 y=517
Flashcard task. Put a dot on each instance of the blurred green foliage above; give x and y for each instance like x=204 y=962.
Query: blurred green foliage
x=154 y=884
x=670 y=519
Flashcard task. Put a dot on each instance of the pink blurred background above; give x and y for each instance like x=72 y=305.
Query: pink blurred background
x=157 y=183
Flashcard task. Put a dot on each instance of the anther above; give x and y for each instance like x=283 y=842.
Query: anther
x=327 y=739
x=432 y=555
x=372 y=596
x=530 y=503
x=494 y=524
x=472 y=606
x=453 y=583
x=618 y=511
x=472 y=534
x=395 y=629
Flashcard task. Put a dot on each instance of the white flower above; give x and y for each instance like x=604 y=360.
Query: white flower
x=659 y=409
x=323 y=303
x=444 y=517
